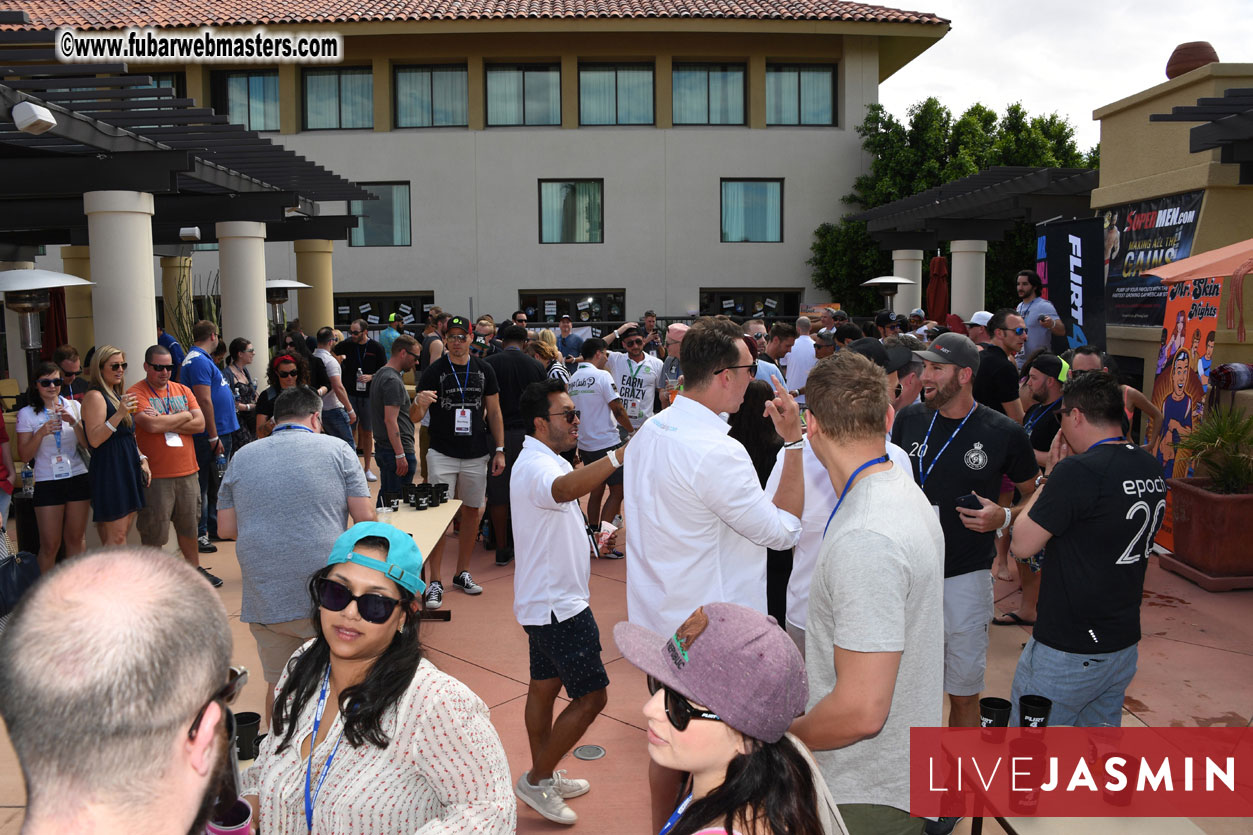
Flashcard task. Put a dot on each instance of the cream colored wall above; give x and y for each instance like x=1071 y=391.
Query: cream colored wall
x=1141 y=160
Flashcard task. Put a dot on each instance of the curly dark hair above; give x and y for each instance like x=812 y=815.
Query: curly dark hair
x=361 y=705
x=302 y=369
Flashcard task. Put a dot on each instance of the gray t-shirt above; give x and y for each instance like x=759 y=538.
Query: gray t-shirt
x=290 y=493
x=389 y=390
x=879 y=587
x=329 y=400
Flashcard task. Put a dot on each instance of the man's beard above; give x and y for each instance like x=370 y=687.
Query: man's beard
x=221 y=782
x=943 y=394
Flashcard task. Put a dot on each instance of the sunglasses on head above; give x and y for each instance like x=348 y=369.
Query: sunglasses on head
x=374 y=608
x=571 y=415
x=286 y=374
x=53 y=383
x=679 y=710
x=155 y=367
x=226 y=694
x=117 y=366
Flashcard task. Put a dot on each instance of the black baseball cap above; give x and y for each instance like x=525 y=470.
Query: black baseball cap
x=952 y=349
x=460 y=322
x=630 y=333
x=884 y=319
x=890 y=359
x=565 y=316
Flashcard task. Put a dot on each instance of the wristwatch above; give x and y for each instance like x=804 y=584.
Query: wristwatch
x=1040 y=479
x=500 y=449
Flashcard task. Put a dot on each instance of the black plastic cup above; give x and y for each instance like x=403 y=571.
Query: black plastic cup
x=1033 y=711
x=994 y=712
x=422 y=502
x=247 y=725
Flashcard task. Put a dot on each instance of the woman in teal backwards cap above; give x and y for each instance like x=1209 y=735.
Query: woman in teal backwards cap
x=367 y=735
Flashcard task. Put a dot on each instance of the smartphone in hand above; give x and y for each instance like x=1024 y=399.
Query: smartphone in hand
x=969 y=501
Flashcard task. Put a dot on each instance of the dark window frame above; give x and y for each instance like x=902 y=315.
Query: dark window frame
x=835 y=95
x=707 y=66
x=615 y=66
x=407 y=184
x=338 y=72
x=722 y=207
x=539 y=188
x=524 y=68
x=431 y=89
x=218 y=84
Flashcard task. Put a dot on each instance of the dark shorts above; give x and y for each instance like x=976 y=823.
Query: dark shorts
x=360 y=405
x=52 y=492
x=590 y=457
x=569 y=650
x=498 y=485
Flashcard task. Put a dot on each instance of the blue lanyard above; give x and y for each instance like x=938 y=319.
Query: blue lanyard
x=1031 y=424
x=313 y=741
x=676 y=814
x=455 y=377
x=883 y=459
x=287 y=426
x=922 y=450
x=56 y=433
x=165 y=401
x=1107 y=440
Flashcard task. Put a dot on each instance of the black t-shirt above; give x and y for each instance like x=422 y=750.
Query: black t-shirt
x=459 y=387
x=1103 y=508
x=367 y=359
x=996 y=381
x=265 y=402
x=1042 y=422
x=424 y=356
x=514 y=372
x=988 y=446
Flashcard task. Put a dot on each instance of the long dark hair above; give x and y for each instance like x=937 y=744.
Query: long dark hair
x=771 y=783
x=361 y=705
x=33 y=398
x=755 y=431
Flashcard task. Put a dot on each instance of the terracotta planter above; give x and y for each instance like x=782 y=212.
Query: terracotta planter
x=1190 y=56
x=1210 y=530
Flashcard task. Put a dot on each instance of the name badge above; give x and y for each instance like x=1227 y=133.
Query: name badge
x=60 y=466
x=173 y=439
x=461 y=422
x=633 y=408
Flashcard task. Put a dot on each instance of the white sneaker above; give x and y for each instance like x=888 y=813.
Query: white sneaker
x=434 y=595
x=544 y=799
x=569 y=787
x=370 y=476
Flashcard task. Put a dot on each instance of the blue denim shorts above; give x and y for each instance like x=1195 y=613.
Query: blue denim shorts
x=1087 y=690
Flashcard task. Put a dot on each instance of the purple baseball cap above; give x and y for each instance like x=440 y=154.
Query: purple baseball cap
x=732 y=659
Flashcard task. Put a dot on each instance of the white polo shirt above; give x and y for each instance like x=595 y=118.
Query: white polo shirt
x=799 y=362
x=637 y=384
x=698 y=523
x=552 y=552
x=592 y=391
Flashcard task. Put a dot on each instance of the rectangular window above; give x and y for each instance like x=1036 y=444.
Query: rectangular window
x=708 y=94
x=800 y=94
x=587 y=308
x=384 y=221
x=176 y=81
x=571 y=211
x=248 y=98
x=432 y=97
x=523 y=94
x=616 y=94
x=752 y=211
x=339 y=99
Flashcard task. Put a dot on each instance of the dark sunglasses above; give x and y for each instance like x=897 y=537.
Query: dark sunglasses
x=373 y=608
x=156 y=367
x=226 y=694
x=50 y=383
x=354 y=333
x=117 y=366
x=752 y=368
x=1019 y=331
x=571 y=415
x=456 y=337
x=633 y=343
x=678 y=709
x=69 y=374
x=286 y=374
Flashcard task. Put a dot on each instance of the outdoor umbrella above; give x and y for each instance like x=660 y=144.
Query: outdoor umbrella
x=1235 y=260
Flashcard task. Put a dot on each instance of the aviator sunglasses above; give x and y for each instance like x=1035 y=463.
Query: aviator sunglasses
x=678 y=709
x=373 y=608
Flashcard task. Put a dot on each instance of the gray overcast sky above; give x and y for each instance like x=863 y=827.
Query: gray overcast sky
x=1068 y=56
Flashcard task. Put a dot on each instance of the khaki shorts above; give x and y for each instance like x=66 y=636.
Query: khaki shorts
x=277 y=641
x=466 y=477
x=169 y=500
x=968 y=607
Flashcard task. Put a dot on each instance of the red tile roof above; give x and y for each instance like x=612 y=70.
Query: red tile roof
x=116 y=14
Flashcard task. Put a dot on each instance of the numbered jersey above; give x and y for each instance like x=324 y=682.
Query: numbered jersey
x=1103 y=508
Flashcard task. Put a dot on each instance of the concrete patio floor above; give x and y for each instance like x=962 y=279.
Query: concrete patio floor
x=1196 y=669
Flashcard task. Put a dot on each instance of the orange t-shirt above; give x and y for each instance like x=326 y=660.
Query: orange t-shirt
x=164 y=460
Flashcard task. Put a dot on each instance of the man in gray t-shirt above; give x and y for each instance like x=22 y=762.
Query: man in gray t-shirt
x=390 y=416
x=285 y=499
x=874 y=637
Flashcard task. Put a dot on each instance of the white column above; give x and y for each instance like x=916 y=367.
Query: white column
x=12 y=337
x=123 y=302
x=907 y=263
x=241 y=260
x=967 y=289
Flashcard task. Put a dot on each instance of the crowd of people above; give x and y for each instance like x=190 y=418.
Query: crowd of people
x=811 y=517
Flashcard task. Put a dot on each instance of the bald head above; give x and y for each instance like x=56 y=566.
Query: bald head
x=104 y=664
x=803 y=325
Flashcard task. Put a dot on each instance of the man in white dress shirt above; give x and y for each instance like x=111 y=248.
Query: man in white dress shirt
x=700 y=523
x=801 y=358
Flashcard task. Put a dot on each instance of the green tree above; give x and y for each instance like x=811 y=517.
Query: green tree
x=931 y=149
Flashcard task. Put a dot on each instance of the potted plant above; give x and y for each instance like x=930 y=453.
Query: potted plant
x=1212 y=509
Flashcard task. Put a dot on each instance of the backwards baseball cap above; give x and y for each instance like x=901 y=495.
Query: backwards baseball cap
x=459 y=322
x=890 y=359
x=677 y=331
x=630 y=332
x=1051 y=365
x=732 y=659
x=918 y=311
x=395 y=317
x=952 y=349
x=403 y=564
x=980 y=317
x=838 y=315
x=825 y=338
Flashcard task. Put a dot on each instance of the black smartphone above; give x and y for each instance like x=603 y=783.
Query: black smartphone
x=969 y=501
x=1041 y=319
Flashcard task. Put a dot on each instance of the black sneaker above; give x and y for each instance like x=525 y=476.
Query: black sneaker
x=434 y=595
x=466 y=583
x=207 y=547
x=213 y=579
x=504 y=556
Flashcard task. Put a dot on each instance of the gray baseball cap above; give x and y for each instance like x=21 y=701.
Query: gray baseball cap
x=952 y=349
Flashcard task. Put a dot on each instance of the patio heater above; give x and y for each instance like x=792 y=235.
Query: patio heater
x=887 y=285
x=276 y=292
x=26 y=294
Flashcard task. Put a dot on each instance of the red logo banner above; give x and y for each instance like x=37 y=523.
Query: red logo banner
x=1081 y=772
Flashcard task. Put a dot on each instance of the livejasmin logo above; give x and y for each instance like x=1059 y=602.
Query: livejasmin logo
x=1081 y=772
